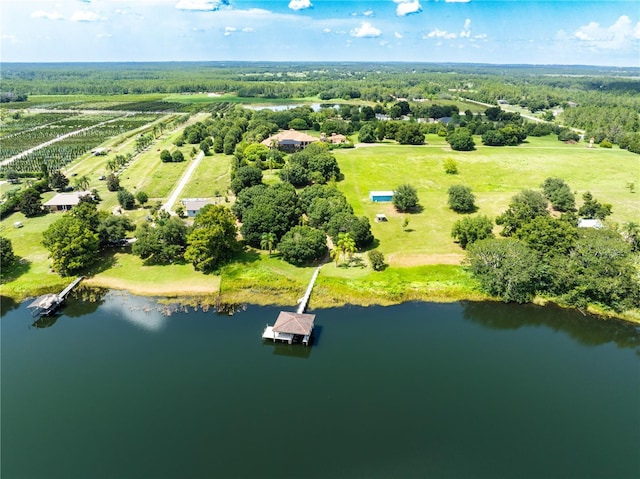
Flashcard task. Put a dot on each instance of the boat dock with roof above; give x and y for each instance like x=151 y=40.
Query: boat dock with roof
x=49 y=303
x=294 y=327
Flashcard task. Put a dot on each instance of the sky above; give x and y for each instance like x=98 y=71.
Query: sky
x=569 y=32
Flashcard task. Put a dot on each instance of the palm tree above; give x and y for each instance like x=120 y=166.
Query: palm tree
x=267 y=241
x=82 y=183
x=346 y=245
x=335 y=255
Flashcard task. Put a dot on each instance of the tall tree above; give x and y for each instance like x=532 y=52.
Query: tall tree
x=6 y=252
x=461 y=199
x=524 y=207
x=505 y=268
x=71 y=243
x=405 y=198
x=212 y=240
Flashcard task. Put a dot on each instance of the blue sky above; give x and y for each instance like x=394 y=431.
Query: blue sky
x=603 y=32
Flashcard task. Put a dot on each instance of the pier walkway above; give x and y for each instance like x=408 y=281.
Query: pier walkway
x=49 y=303
x=294 y=327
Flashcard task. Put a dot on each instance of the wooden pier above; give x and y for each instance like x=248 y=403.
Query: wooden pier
x=294 y=327
x=49 y=303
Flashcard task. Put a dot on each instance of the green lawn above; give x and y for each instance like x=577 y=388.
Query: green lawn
x=30 y=275
x=211 y=176
x=493 y=174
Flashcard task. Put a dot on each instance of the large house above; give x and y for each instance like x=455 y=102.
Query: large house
x=65 y=201
x=290 y=140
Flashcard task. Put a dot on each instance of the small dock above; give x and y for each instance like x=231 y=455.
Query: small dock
x=49 y=303
x=294 y=327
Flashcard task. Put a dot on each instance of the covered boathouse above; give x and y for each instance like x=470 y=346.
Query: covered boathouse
x=291 y=328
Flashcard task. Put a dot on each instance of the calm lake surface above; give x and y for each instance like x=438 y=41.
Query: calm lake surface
x=117 y=389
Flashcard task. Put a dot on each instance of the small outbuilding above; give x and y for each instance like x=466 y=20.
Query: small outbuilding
x=381 y=217
x=193 y=205
x=381 y=196
x=590 y=223
x=291 y=327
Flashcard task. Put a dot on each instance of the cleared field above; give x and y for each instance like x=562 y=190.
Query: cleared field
x=211 y=176
x=30 y=275
x=493 y=174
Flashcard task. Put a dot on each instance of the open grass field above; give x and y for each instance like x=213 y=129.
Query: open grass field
x=211 y=176
x=493 y=174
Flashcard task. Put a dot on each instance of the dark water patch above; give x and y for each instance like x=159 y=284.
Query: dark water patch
x=461 y=390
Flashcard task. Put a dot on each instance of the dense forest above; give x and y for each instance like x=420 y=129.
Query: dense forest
x=602 y=101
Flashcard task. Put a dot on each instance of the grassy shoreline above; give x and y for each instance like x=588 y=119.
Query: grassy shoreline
x=263 y=281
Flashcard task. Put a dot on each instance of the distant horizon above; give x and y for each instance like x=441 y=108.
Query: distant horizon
x=325 y=62
x=599 y=33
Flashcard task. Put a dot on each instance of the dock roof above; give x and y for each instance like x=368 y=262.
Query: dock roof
x=45 y=301
x=294 y=323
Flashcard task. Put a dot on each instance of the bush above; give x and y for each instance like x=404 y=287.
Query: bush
x=142 y=197
x=113 y=183
x=177 y=156
x=461 y=140
x=606 y=144
x=450 y=166
x=405 y=198
x=126 y=199
x=165 y=156
x=376 y=258
x=461 y=199
x=469 y=230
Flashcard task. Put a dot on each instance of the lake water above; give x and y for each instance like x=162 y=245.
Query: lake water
x=117 y=389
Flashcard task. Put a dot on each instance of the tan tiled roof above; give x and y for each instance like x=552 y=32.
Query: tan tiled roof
x=294 y=323
x=290 y=135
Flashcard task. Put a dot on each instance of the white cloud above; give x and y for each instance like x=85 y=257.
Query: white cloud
x=299 y=4
x=248 y=30
x=466 y=29
x=86 y=16
x=47 y=15
x=201 y=5
x=326 y=30
x=104 y=35
x=407 y=7
x=617 y=36
x=437 y=33
x=229 y=30
x=457 y=1
x=398 y=35
x=365 y=30
x=368 y=13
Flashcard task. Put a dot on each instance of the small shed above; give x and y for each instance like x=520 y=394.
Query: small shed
x=381 y=196
x=193 y=205
x=381 y=217
x=590 y=223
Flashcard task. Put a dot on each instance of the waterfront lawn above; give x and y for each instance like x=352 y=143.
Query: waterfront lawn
x=495 y=175
x=123 y=270
x=30 y=274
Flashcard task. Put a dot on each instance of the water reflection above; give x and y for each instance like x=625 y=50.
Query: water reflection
x=587 y=329
x=7 y=304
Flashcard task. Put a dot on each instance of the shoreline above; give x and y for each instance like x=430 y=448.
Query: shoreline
x=324 y=296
